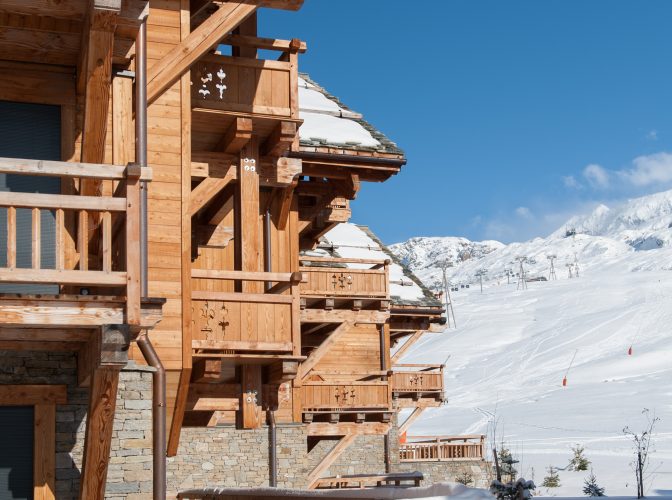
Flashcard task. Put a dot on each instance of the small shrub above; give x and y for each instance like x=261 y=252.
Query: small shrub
x=591 y=488
x=465 y=478
x=553 y=479
x=578 y=461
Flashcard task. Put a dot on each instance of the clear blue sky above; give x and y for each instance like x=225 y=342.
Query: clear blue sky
x=513 y=114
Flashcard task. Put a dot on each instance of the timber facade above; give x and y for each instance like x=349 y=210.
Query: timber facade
x=178 y=277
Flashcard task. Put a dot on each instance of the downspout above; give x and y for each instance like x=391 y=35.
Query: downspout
x=385 y=368
x=267 y=244
x=145 y=345
x=272 y=451
x=272 y=438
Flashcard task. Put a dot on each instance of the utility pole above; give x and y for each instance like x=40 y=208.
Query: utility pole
x=480 y=273
x=445 y=264
x=551 y=273
x=522 y=282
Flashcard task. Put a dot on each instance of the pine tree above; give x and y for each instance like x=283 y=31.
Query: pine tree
x=579 y=461
x=553 y=479
x=465 y=478
x=591 y=488
x=506 y=462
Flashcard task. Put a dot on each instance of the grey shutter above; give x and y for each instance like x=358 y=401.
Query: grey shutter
x=16 y=452
x=29 y=131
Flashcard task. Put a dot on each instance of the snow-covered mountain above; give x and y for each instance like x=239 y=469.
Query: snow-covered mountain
x=511 y=349
x=600 y=237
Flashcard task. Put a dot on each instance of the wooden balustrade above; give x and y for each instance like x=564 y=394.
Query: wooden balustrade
x=417 y=378
x=226 y=320
x=106 y=249
x=357 y=278
x=330 y=396
x=244 y=85
x=442 y=448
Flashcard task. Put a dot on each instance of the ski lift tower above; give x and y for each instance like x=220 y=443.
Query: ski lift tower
x=551 y=273
x=522 y=281
x=443 y=265
x=508 y=271
x=479 y=274
x=570 y=266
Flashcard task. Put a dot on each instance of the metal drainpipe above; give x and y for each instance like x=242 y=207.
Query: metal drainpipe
x=272 y=445
x=272 y=451
x=267 y=244
x=145 y=345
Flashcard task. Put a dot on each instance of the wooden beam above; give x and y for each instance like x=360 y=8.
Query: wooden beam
x=329 y=459
x=407 y=345
x=410 y=419
x=98 y=438
x=285 y=205
x=341 y=315
x=94 y=81
x=170 y=68
x=246 y=28
x=213 y=397
x=209 y=187
x=44 y=464
x=28 y=395
x=280 y=139
x=315 y=356
x=178 y=412
x=237 y=135
x=343 y=428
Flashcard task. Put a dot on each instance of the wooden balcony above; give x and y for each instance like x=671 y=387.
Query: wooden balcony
x=417 y=385
x=226 y=89
x=227 y=323
x=330 y=282
x=60 y=247
x=345 y=401
x=442 y=448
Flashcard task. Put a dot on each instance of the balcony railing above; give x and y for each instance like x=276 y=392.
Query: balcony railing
x=442 y=448
x=95 y=239
x=345 y=396
x=417 y=378
x=227 y=320
x=247 y=85
x=355 y=278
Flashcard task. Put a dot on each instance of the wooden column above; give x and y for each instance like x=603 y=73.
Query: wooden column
x=249 y=243
x=108 y=353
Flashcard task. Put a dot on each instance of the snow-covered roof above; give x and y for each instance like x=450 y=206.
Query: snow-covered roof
x=358 y=242
x=327 y=122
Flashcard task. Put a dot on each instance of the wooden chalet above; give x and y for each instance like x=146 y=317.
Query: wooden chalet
x=171 y=199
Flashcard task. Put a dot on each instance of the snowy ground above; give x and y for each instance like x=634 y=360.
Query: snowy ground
x=510 y=352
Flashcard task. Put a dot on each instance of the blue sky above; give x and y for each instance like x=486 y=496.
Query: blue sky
x=514 y=114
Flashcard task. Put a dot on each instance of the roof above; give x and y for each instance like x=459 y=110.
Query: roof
x=358 y=242
x=327 y=122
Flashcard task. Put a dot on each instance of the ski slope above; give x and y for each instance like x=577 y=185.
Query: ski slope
x=511 y=349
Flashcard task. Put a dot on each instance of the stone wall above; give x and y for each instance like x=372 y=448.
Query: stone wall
x=478 y=472
x=129 y=475
x=226 y=457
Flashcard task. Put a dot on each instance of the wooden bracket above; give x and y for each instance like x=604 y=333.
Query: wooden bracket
x=237 y=136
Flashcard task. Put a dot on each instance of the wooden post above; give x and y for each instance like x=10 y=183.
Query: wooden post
x=133 y=291
x=248 y=251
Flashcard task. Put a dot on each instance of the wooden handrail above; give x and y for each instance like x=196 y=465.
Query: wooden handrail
x=62 y=201
x=448 y=438
x=23 y=166
x=345 y=260
x=214 y=274
x=417 y=365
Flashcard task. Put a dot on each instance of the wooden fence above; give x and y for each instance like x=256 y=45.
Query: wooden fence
x=442 y=448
